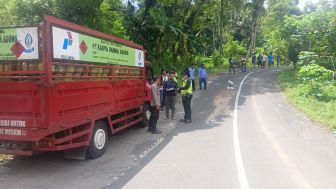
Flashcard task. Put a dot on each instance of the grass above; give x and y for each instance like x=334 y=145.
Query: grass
x=322 y=110
x=216 y=70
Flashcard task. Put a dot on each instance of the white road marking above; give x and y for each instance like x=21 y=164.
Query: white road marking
x=150 y=149
x=238 y=156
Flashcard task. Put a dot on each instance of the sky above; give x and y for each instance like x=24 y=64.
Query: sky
x=303 y=2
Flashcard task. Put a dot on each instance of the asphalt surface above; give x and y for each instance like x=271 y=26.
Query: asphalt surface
x=256 y=140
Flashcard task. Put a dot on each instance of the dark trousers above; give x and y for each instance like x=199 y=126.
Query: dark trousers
x=243 y=67
x=186 y=100
x=162 y=98
x=231 y=67
x=202 y=80
x=193 y=84
x=170 y=104
x=153 y=118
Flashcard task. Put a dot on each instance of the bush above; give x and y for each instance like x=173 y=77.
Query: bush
x=314 y=72
x=217 y=59
x=306 y=58
x=316 y=82
x=233 y=48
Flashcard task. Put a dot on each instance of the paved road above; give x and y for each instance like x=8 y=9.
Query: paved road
x=258 y=141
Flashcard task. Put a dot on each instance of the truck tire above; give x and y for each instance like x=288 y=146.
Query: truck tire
x=146 y=115
x=98 y=142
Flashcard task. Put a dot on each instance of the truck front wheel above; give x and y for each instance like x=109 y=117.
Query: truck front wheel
x=98 y=142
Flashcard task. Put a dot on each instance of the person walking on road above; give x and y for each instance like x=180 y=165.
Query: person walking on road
x=243 y=63
x=202 y=75
x=192 y=75
x=254 y=60
x=186 y=92
x=170 y=88
x=264 y=60
x=231 y=65
x=260 y=60
x=270 y=60
x=154 y=107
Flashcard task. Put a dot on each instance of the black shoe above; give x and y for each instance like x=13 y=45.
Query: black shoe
x=182 y=120
x=149 y=130
x=156 y=132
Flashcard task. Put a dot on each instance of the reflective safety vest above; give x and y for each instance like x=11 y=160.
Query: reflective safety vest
x=189 y=90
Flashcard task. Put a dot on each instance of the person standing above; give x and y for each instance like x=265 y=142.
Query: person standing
x=243 y=63
x=192 y=75
x=231 y=65
x=170 y=88
x=264 y=61
x=270 y=60
x=278 y=60
x=154 y=107
x=202 y=75
x=254 y=60
x=260 y=60
x=164 y=78
x=186 y=92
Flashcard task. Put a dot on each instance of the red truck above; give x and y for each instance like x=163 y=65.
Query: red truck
x=65 y=87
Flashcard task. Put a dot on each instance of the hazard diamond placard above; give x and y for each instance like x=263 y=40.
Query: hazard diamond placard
x=19 y=43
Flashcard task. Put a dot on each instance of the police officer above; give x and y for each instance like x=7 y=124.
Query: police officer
x=154 y=107
x=186 y=92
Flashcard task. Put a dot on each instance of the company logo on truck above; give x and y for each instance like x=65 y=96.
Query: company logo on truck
x=67 y=41
x=139 y=59
x=29 y=42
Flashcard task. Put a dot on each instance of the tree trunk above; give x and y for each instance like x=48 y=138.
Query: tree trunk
x=221 y=27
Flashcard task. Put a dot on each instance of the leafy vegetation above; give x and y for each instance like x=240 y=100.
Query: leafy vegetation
x=178 y=33
x=175 y=33
x=318 y=101
x=315 y=73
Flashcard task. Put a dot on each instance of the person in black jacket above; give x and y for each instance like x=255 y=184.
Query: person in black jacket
x=170 y=87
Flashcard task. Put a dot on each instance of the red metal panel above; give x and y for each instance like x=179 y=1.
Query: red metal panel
x=22 y=134
x=130 y=94
x=75 y=101
x=23 y=102
x=127 y=125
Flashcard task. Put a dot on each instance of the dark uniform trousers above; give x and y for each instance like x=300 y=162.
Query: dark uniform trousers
x=186 y=100
x=153 y=118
